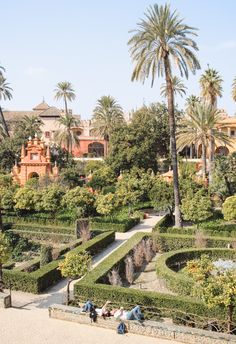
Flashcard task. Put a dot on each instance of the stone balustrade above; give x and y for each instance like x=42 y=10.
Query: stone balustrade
x=5 y=300
x=147 y=328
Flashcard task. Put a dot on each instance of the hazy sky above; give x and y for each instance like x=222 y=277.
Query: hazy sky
x=85 y=42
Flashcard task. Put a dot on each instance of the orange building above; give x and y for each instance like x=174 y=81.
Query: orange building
x=35 y=162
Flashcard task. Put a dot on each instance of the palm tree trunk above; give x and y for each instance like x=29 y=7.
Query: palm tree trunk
x=204 y=162
x=171 y=111
x=66 y=109
x=2 y=119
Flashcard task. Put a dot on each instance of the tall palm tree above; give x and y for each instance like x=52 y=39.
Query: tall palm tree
x=29 y=126
x=160 y=39
x=66 y=136
x=211 y=88
x=234 y=89
x=5 y=94
x=198 y=127
x=191 y=101
x=106 y=116
x=64 y=90
x=178 y=87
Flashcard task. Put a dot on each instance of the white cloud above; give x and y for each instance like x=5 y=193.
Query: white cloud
x=35 y=71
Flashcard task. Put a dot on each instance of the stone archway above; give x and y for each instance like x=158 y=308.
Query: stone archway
x=222 y=151
x=33 y=175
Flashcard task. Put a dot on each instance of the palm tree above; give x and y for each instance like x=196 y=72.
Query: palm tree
x=234 y=89
x=106 y=116
x=178 y=87
x=64 y=90
x=160 y=39
x=191 y=101
x=29 y=126
x=5 y=94
x=198 y=127
x=211 y=88
x=66 y=136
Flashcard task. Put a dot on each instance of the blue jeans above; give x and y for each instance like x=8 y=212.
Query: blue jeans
x=87 y=307
x=135 y=314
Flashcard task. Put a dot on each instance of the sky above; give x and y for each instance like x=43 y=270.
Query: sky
x=44 y=42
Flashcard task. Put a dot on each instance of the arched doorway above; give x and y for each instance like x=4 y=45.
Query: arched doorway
x=96 y=149
x=33 y=175
x=222 y=151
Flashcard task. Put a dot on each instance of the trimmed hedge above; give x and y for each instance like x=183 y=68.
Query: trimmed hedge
x=179 y=282
x=39 y=228
x=62 y=238
x=153 y=303
x=164 y=223
x=39 y=280
x=32 y=219
x=118 y=226
x=169 y=242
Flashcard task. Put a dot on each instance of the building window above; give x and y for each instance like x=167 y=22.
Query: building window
x=96 y=149
x=47 y=134
x=34 y=156
x=232 y=133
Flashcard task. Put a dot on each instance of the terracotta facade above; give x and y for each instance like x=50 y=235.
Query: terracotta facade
x=35 y=162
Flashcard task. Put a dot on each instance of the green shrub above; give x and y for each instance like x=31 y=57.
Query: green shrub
x=39 y=280
x=229 y=208
x=45 y=255
x=102 y=223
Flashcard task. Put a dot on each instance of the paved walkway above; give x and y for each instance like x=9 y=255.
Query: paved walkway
x=28 y=322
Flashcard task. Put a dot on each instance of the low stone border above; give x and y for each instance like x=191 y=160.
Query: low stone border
x=5 y=300
x=147 y=328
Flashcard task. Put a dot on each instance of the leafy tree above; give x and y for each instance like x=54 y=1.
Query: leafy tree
x=106 y=116
x=79 y=197
x=196 y=128
x=162 y=196
x=64 y=90
x=5 y=253
x=60 y=156
x=178 y=87
x=74 y=266
x=214 y=286
x=92 y=166
x=141 y=142
x=67 y=136
x=102 y=177
x=160 y=38
x=72 y=175
x=105 y=204
x=196 y=207
x=229 y=208
x=51 y=198
x=25 y=199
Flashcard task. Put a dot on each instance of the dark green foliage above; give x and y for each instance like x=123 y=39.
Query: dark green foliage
x=140 y=143
x=169 y=262
x=39 y=280
x=45 y=255
x=73 y=176
x=169 y=242
x=107 y=224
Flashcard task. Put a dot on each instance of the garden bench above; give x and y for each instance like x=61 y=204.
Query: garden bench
x=148 y=328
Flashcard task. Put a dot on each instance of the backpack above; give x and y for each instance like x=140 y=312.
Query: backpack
x=121 y=328
x=93 y=315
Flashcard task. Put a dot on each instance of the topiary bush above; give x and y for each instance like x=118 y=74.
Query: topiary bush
x=45 y=255
x=229 y=208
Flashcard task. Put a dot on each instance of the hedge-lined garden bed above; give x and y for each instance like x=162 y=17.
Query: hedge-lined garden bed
x=169 y=262
x=107 y=224
x=39 y=280
x=154 y=304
